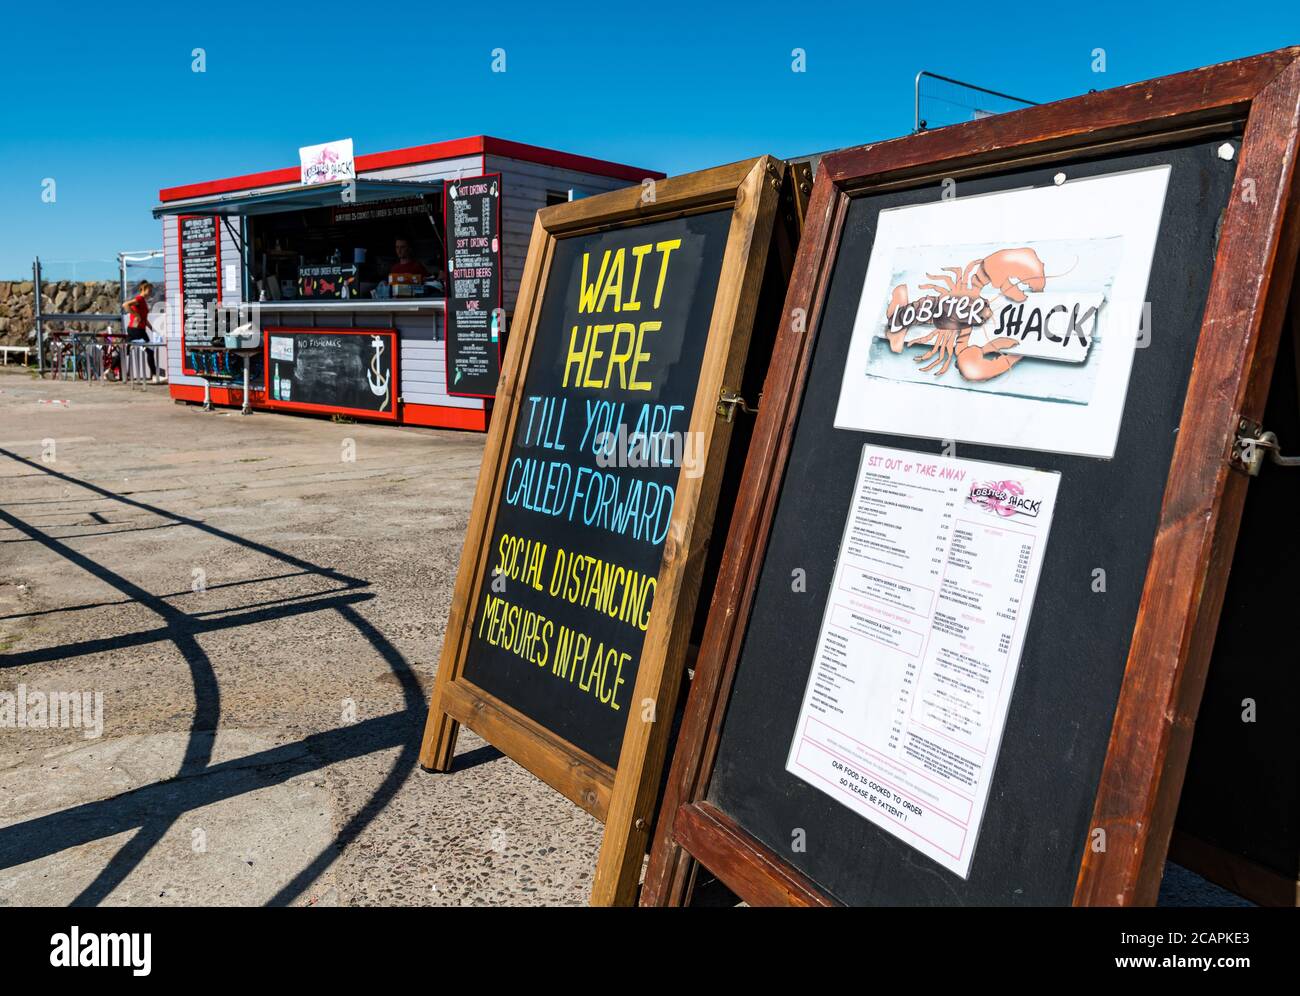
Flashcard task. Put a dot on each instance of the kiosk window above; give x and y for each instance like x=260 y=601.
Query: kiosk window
x=313 y=252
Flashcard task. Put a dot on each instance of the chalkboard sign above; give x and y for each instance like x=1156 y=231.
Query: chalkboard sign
x=582 y=565
x=472 y=208
x=200 y=277
x=948 y=657
x=338 y=371
x=593 y=472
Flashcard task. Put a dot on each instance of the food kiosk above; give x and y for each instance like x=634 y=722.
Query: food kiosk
x=327 y=286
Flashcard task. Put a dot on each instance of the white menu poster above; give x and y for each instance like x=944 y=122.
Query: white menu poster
x=920 y=643
x=1008 y=318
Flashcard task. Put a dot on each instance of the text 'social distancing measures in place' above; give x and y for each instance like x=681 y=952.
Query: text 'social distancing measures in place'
x=602 y=438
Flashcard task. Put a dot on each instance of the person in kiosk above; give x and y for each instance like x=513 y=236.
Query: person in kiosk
x=407 y=269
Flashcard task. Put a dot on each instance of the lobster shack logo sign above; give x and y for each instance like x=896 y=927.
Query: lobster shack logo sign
x=980 y=317
x=1004 y=499
x=327 y=162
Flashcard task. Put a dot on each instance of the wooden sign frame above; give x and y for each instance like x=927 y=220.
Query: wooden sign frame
x=1201 y=511
x=1256 y=858
x=623 y=797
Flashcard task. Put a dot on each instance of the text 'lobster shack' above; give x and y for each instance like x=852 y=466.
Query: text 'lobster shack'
x=377 y=286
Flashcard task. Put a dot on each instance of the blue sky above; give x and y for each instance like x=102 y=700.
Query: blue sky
x=102 y=98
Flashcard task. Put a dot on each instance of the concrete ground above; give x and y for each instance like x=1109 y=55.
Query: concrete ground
x=263 y=618
x=259 y=602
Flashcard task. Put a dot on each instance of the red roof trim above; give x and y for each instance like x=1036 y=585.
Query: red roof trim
x=270 y=178
x=421 y=154
x=565 y=160
x=479 y=145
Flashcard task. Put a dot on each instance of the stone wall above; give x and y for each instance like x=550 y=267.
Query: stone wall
x=16 y=305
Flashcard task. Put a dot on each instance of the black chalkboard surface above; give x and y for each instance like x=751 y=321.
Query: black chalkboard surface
x=200 y=266
x=581 y=526
x=1035 y=826
x=344 y=371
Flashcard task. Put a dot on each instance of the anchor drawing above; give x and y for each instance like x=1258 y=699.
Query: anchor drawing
x=378 y=382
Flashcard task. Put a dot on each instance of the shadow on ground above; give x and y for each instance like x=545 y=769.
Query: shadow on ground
x=151 y=810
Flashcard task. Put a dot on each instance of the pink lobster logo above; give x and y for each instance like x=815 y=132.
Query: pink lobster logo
x=1004 y=498
x=961 y=298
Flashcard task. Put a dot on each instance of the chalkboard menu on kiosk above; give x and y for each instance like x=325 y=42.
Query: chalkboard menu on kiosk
x=472 y=207
x=582 y=564
x=333 y=371
x=200 y=277
x=962 y=626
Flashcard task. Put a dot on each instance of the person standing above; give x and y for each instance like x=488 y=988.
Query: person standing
x=137 y=325
x=407 y=265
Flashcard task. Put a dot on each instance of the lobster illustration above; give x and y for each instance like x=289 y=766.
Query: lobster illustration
x=998 y=497
x=963 y=298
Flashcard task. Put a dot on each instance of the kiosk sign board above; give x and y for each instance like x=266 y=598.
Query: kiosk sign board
x=199 y=238
x=472 y=207
x=327 y=162
x=339 y=371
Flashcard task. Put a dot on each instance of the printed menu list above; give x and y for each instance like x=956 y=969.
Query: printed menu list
x=919 y=646
x=200 y=275
x=474 y=286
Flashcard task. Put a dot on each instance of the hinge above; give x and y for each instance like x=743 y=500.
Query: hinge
x=729 y=401
x=1253 y=444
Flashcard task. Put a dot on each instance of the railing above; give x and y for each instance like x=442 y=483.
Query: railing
x=66 y=355
x=100 y=355
x=920 y=124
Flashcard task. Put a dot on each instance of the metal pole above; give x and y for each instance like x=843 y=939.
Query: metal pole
x=916 y=107
x=122 y=292
x=36 y=314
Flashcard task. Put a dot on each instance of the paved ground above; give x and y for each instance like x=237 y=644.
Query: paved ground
x=262 y=618
x=309 y=648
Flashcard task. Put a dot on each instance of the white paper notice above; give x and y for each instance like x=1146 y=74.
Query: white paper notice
x=918 y=651
x=1007 y=318
x=281 y=348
